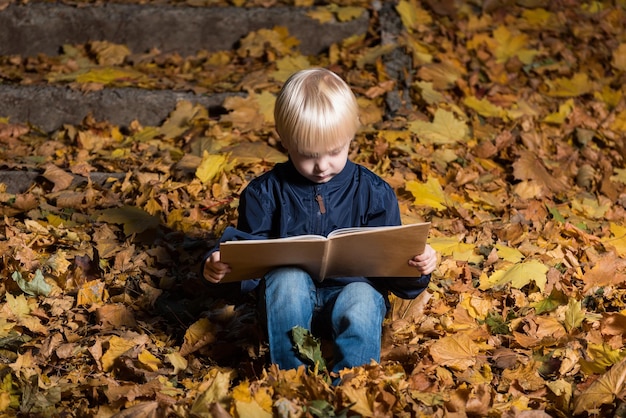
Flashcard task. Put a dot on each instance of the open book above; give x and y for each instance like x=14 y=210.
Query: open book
x=366 y=251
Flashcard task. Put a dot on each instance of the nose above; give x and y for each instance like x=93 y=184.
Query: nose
x=321 y=164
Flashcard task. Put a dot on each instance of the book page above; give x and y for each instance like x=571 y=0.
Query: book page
x=377 y=252
x=253 y=259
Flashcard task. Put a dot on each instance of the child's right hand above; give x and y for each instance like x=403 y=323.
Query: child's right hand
x=214 y=270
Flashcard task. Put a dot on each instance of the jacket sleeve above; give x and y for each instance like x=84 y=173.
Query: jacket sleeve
x=230 y=234
x=403 y=287
x=407 y=287
x=255 y=210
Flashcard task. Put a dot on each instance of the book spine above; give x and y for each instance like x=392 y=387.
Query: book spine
x=324 y=262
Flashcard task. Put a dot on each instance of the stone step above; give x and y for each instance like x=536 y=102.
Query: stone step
x=32 y=28
x=17 y=182
x=42 y=28
x=50 y=107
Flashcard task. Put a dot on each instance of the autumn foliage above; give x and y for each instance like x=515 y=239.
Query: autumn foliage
x=506 y=130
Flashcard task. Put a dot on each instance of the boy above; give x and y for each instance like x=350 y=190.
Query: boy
x=317 y=191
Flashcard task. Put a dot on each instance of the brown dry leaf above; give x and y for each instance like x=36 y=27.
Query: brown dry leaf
x=244 y=113
x=61 y=179
x=529 y=167
x=607 y=271
x=603 y=390
x=108 y=53
x=116 y=316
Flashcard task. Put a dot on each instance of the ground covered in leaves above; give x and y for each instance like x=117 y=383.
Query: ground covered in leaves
x=506 y=131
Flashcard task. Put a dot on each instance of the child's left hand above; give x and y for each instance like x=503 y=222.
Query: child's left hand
x=425 y=262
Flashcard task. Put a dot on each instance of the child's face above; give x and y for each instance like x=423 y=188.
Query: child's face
x=320 y=167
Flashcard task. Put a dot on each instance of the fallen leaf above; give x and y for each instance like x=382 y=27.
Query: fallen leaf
x=457 y=351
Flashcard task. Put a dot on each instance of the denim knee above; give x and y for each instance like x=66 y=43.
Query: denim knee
x=288 y=278
x=361 y=302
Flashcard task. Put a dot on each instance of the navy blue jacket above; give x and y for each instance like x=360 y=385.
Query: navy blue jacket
x=282 y=203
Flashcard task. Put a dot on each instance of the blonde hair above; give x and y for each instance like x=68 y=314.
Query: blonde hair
x=316 y=110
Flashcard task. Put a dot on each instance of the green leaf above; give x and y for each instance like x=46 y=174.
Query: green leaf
x=308 y=347
x=556 y=214
x=556 y=299
x=35 y=287
x=497 y=324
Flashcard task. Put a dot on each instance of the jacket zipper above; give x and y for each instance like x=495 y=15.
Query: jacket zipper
x=320 y=201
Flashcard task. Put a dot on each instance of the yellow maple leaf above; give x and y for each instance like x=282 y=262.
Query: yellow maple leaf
x=452 y=246
x=484 y=107
x=266 y=101
x=419 y=50
x=211 y=167
x=117 y=347
x=457 y=351
x=109 y=75
x=149 y=360
x=590 y=208
x=428 y=92
x=179 y=362
x=217 y=390
x=578 y=85
x=518 y=275
x=321 y=14
x=481 y=38
x=198 y=335
x=617 y=239
x=509 y=254
x=256 y=44
x=18 y=305
x=427 y=194
x=444 y=129
x=92 y=293
x=565 y=109
x=348 y=13
x=574 y=315
x=537 y=18
x=510 y=45
x=288 y=65
x=412 y=15
x=609 y=96
x=477 y=307
x=241 y=392
x=371 y=55
x=251 y=409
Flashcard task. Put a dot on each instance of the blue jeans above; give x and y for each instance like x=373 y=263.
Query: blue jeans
x=351 y=315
